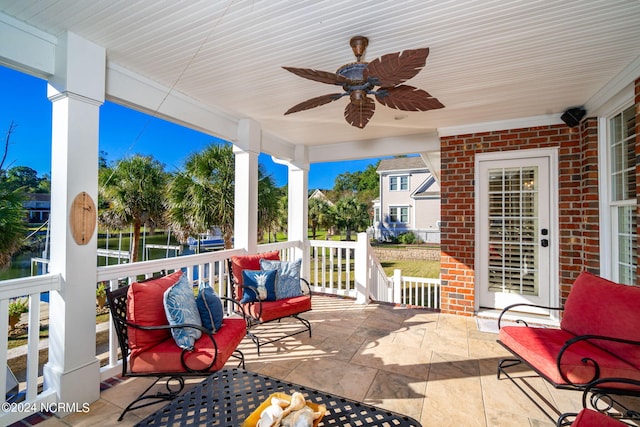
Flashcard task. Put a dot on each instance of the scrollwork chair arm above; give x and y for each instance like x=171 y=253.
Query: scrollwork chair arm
x=510 y=307
x=580 y=338
x=237 y=307
x=307 y=285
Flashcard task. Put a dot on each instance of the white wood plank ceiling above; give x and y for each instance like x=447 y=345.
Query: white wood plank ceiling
x=490 y=60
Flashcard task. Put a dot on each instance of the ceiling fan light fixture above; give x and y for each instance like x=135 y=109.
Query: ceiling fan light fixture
x=358 y=97
x=358 y=45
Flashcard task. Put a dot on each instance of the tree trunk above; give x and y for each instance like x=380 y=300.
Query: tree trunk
x=228 y=244
x=135 y=241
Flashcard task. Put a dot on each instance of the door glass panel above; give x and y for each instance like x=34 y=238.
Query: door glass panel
x=627 y=248
x=513 y=227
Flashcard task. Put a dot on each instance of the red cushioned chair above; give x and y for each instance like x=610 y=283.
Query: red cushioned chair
x=598 y=338
x=148 y=348
x=261 y=312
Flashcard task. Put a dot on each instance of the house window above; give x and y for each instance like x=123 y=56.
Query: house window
x=399 y=214
x=623 y=200
x=399 y=183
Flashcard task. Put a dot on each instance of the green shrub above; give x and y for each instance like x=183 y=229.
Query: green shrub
x=18 y=306
x=407 y=238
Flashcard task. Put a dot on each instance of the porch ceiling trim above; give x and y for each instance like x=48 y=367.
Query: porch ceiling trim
x=379 y=147
x=524 y=122
x=30 y=50
x=139 y=93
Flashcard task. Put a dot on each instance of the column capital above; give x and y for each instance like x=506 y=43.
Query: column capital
x=249 y=137
x=80 y=69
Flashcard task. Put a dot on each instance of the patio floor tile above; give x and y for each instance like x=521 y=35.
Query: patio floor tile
x=437 y=368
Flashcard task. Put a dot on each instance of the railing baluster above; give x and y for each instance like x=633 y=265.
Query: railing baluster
x=32 y=346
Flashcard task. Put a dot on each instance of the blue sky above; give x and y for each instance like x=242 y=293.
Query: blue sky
x=123 y=132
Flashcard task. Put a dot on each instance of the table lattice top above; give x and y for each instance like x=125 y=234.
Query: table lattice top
x=228 y=397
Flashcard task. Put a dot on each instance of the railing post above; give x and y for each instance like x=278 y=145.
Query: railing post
x=397 y=286
x=362 y=269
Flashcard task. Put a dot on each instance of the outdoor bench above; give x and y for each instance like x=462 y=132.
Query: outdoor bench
x=152 y=345
x=598 y=338
x=287 y=294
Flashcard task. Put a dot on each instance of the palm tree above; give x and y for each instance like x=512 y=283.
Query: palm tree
x=202 y=196
x=12 y=224
x=268 y=204
x=318 y=214
x=351 y=215
x=134 y=191
x=12 y=213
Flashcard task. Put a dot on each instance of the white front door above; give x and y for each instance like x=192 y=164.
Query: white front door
x=514 y=229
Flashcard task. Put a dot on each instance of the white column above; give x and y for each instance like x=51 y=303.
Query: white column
x=246 y=150
x=361 y=269
x=76 y=92
x=298 y=206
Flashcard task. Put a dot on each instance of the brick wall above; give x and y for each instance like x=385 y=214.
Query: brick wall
x=578 y=203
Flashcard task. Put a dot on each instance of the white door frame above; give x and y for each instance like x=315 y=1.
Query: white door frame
x=554 y=232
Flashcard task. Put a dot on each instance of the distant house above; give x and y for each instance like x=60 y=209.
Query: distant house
x=409 y=200
x=318 y=194
x=38 y=206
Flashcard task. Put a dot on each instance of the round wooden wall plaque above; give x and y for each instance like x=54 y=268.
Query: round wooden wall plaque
x=82 y=218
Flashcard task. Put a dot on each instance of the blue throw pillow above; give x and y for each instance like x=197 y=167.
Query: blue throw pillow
x=210 y=308
x=259 y=285
x=180 y=308
x=288 y=282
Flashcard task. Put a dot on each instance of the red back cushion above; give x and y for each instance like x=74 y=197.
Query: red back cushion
x=597 y=306
x=145 y=307
x=248 y=262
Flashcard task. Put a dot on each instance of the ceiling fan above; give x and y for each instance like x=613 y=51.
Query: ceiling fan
x=359 y=79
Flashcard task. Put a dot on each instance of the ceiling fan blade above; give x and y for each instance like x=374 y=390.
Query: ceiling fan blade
x=407 y=98
x=395 y=68
x=358 y=115
x=314 y=102
x=317 y=75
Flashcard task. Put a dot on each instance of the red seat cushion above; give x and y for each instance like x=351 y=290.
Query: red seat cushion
x=248 y=262
x=591 y=418
x=165 y=356
x=596 y=306
x=540 y=347
x=278 y=309
x=145 y=307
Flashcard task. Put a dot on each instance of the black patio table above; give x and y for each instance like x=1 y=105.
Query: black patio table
x=229 y=396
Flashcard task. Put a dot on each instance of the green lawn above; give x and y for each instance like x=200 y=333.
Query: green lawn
x=428 y=269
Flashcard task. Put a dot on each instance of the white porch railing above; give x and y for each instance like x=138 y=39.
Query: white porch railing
x=332 y=272
x=416 y=291
x=332 y=267
x=33 y=401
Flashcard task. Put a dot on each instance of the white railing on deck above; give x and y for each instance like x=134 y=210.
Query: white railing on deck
x=416 y=291
x=286 y=249
x=332 y=267
x=32 y=287
x=380 y=286
x=332 y=272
